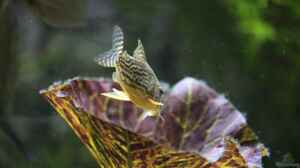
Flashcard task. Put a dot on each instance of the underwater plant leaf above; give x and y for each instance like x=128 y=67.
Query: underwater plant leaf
x=194 y=130
x=110 y=144
x=195 y=116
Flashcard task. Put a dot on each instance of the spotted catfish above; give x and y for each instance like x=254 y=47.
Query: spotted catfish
x=137 y=79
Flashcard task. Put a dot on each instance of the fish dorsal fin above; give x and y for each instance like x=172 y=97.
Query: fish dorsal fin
x=109 y=58
x=139 y=52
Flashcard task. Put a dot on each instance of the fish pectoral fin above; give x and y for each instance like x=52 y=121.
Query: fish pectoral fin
x=117 y=94
x=155 y=102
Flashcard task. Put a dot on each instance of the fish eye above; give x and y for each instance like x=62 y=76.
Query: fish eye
x=161 y=91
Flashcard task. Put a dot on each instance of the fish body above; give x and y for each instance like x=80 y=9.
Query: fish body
x=137 y=79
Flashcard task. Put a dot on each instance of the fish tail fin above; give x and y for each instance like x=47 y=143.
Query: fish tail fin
x=106 y=59
x=109 y=58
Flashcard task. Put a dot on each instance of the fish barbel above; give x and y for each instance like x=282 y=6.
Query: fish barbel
x=137 y=79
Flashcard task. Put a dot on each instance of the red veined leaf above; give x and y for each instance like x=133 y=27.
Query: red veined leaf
x=193 y=132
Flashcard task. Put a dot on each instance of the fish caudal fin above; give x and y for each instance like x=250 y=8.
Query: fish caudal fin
x=106 y=59
x=117 y=94
x=109 y=58
x=117 y=40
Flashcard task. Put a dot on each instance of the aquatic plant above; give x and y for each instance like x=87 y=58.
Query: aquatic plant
x=200 y=128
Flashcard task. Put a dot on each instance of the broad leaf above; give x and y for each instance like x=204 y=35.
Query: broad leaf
x=198 y=127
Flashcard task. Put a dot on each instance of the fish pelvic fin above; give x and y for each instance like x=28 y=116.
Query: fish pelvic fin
x=109 y=58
